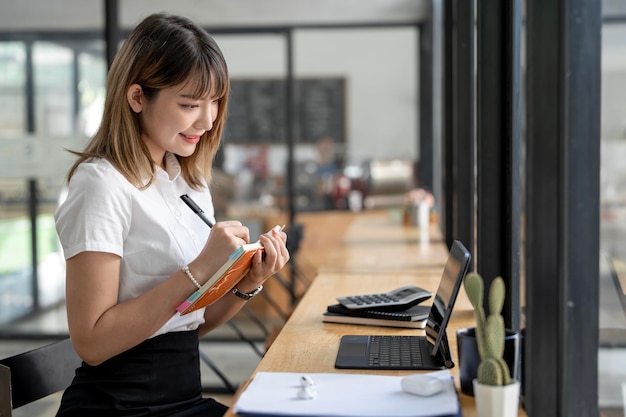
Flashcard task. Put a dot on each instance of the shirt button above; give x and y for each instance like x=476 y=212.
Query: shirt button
x=177 y=213
x=190 y=327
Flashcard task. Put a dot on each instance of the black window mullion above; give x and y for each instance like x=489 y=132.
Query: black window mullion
x=464 y=121
x=447 y=173
x=562 y=216
x=426 y=85
x=111 y=29
x=499 y=146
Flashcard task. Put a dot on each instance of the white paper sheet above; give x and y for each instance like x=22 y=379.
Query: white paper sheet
x=343 y=395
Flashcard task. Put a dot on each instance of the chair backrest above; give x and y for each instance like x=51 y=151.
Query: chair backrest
x=294 y=237
x=35 y=374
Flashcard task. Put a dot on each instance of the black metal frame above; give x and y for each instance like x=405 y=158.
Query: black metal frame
x=562 y=214
x=499 y=147
x=447 y=121
x=459 y=123
x=111 y=29
x=425 y=166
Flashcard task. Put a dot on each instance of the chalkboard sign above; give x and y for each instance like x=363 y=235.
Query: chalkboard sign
x=256 y=111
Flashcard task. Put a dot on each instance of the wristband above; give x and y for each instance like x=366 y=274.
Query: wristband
x=247 y=295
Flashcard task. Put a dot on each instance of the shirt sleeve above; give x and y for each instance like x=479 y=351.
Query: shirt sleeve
x=95 y=215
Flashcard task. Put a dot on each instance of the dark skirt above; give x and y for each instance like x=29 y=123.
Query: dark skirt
x=159 y=377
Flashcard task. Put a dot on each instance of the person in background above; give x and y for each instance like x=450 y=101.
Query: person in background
x=326 y=159
x=330 y=182
x=134 y=251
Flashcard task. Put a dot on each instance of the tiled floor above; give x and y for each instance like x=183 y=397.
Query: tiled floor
x=234 y=358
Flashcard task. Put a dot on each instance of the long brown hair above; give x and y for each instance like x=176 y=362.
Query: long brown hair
x=161 y=52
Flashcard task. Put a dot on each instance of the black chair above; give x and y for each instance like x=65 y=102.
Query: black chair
x=32 y=375
x=295 y=234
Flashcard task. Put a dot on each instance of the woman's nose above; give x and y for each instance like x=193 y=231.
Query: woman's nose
x=206 y=119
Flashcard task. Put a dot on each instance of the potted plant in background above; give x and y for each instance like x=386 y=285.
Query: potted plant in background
x=495 y=392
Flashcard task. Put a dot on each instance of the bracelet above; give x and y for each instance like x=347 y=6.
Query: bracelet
x=190 y=276
x=247 y=295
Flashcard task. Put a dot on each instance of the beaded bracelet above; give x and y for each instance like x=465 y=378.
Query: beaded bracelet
x=190 y=275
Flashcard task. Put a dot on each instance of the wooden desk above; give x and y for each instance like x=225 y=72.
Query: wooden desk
x=375 y=242
x=308 y=345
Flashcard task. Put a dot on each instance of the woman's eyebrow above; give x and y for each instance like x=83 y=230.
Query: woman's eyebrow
x=190 y=96
x=195 y=97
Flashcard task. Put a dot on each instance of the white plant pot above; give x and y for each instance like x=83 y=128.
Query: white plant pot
x=496 y=401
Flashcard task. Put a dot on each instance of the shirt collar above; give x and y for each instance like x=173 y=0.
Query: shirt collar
x=172 y=166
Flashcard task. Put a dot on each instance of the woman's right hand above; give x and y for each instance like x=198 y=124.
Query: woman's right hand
x=224 y=239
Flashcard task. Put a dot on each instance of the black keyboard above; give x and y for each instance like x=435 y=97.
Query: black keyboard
x=396 y=352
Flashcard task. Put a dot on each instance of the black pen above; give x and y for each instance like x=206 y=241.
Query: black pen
x=196 y=209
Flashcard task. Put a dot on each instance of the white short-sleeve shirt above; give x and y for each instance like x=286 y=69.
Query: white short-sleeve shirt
x=152 y=230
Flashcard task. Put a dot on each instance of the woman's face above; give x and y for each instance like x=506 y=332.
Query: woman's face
x=173 y=121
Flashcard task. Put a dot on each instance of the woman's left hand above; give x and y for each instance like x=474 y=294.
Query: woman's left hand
x=269 y=261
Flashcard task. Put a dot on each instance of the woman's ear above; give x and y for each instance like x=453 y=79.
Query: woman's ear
x=135 y=98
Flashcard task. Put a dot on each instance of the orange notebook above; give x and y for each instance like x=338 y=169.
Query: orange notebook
x=229 y=274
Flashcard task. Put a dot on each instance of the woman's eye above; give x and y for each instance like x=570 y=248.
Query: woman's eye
x=190 y=106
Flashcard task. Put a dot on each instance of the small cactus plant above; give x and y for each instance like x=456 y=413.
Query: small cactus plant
x=490 y=332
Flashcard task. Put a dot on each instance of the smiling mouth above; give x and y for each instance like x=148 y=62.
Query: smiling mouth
x=190 y=139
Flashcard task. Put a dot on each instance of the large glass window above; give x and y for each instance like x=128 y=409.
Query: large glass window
x=12 y=92
x=92 y=74
x=15 y=262
x=347 y=119
x=54 y=87
x=612 y=354
x=371 y=124
x=66 y=101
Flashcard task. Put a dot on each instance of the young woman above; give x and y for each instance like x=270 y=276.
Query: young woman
x=134 y=251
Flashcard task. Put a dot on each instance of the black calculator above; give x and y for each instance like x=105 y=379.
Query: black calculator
x=398 y=299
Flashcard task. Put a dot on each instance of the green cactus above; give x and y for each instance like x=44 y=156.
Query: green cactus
x=490 y=332
x=489 y=372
